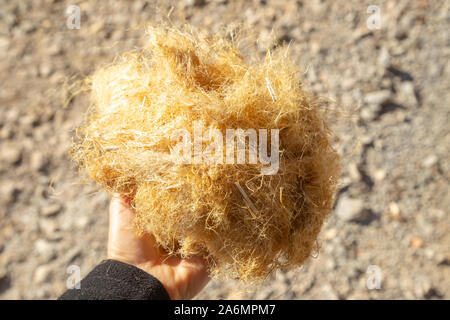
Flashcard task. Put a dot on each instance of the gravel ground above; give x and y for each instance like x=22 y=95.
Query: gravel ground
x=389 y=235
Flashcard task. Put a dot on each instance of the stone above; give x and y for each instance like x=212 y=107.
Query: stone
x=194 y=3
x=370 y=112
x=348 y=209
x=97 y=27
x=379 y=174
x=353 y=210
x=46 y=69
x=416 y=243
x=443 y=259
x=49 y=227
x=82 y=222
x=38 y=161
x=51 y=210
x=264 y=293
x=407 y=94
x=4 y=44
x=6 y=132
x=72 y=254
x=384 y=59
x=330 y=234
x=353 y=171
x=9 y=191
x=315 y=47
x=394 y=211
x=430 y=161
x=328 y=293
x=42 y=274
x=11 y=155
x=44 y=248
x=378 y=97
x=5 y=280
x=423 y=287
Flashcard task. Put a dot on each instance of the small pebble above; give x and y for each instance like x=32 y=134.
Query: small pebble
x=416 y=243
x=51 y=210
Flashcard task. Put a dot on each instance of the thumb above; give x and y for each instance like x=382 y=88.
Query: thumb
x=124 y=244
x=121 y=218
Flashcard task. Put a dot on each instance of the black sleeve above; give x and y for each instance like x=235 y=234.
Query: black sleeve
x=115 y=280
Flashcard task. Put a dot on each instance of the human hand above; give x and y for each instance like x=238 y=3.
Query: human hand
x=182 y=278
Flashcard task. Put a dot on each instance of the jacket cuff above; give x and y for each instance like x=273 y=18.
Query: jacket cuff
x=115 y=280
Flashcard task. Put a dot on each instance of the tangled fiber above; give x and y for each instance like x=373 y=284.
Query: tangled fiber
x=245 y=223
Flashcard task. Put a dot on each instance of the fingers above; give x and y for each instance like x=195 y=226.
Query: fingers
x=121 y=216
x=122 y=234
x=199 y=276
x=199 y=267
x=124 y=243
x=197 y=263
x=119 y=202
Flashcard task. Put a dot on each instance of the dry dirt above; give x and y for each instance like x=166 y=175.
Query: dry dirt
x=391 y=221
